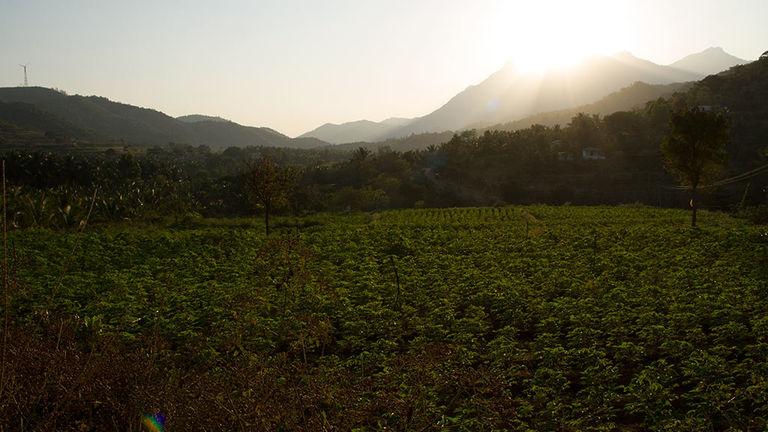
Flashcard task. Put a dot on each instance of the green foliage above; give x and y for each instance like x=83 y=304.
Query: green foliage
x=97 y=119
x=529 y=318
x=694 y=150
x=269 y=186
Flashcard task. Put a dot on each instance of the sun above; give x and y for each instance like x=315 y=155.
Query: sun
x=543 y=35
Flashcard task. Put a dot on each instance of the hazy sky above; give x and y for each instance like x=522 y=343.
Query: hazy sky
x=294 y=65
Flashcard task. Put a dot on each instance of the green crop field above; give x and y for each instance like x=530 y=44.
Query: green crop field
x=514 y=318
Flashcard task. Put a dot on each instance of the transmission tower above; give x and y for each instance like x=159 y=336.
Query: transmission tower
x=24 y=66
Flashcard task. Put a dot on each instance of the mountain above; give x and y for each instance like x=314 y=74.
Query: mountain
x=628 y=98
x=396 y=121
x=708 y=62
x=509 y=95
x=100 y=120
x=634 y=96
x=361 y=130
x=28 y=117
x=742 y=92
x=195 y=118
x=412 y=142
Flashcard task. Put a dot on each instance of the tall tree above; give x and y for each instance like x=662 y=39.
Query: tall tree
x=268 y=186
x=694 y=149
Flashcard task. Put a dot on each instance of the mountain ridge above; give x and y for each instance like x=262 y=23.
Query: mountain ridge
x=100 y=119
x=194 y=118
x=356 y=131
x=492 y=101
x=711 y=61
x=506 y=99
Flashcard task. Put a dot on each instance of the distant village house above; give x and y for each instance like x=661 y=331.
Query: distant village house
x=592 y=153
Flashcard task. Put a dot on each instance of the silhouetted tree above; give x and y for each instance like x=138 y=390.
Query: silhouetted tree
x=694 y=149
x=268 y=185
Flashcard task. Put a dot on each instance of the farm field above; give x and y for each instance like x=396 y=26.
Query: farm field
x=511 y=318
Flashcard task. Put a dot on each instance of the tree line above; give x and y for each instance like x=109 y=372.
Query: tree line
x=592 y=160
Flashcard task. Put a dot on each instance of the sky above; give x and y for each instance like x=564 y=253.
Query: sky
x=294 y=65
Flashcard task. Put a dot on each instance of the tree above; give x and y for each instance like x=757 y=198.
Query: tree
x=586 y=131
x=694 y=149
x=268 y=185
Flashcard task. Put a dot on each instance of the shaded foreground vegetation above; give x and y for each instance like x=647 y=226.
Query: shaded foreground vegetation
x=524 y=318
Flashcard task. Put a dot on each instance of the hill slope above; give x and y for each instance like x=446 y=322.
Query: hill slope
x=708 y=62
x=102 y=119
x=743 y=91
x=194 y=118
x=361 y=130
x=634 y=96
x=509 y=94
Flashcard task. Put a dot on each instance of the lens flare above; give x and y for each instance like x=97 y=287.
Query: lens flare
x=154 y=422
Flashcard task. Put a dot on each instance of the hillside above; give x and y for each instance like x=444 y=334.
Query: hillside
x=194 y=118
x=12 y=135
x=634 y=96
x=710 y=61
x=412 y=142
x=361 y=130
x=101 y=119
x=743 y=91
x=19 y=116
x=509 y=94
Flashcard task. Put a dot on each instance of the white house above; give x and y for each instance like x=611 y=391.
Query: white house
x=592 y=153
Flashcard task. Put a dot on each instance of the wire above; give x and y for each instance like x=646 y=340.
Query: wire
x=731 y=180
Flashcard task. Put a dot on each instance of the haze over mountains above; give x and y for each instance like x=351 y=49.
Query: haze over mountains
x=510 y=94
x=633 y=96
x=361 y=130
x=508 y=99
x=708 y=62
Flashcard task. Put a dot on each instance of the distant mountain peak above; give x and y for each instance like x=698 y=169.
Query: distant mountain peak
x=396 y=121
x=624 y=54
x=710 y=61
x=356 y=131
x=505 y=96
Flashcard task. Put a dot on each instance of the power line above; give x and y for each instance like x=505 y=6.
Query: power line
x=731 y=180
x=742 y=177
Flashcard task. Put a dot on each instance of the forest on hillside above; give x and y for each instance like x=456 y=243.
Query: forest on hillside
x=593 y=159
